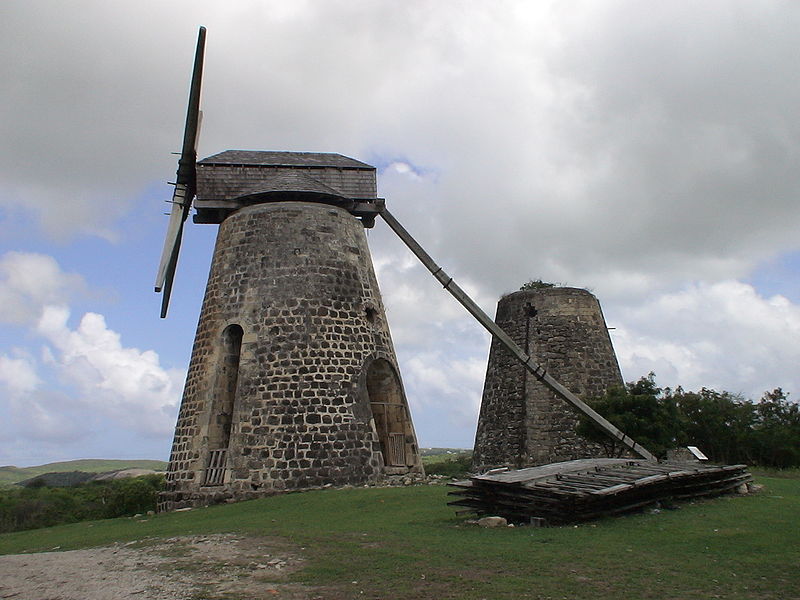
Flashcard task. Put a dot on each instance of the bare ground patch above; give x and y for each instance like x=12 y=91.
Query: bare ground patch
x=200 y=567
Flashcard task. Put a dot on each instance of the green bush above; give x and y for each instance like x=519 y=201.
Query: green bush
x=42 y=506
x=134 y=495
x=536 y=284
x=457 y=466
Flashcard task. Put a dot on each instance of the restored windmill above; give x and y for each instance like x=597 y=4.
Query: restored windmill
x=293 y=381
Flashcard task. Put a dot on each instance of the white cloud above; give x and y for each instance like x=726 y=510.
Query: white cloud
x=126 y=384
x=585 y=143
x=403 y=169
x=28 y=281
x=33 y=412
x=18 y=375
x=722 y=335
x=86 y=378
x=445 y=381
x=45 y=418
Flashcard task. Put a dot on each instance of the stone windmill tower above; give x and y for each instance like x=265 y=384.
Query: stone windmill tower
x=293 y=381
x=522 y=422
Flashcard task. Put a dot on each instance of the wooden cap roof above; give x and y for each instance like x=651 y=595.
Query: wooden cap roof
x=269 y=158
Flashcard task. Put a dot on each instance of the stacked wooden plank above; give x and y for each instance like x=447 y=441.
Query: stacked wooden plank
x=578 y=490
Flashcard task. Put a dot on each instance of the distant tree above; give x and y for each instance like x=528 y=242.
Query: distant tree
x=720 y=423
x=727 y=427
x=640 y=410
x=777 y=430
x=43 y=506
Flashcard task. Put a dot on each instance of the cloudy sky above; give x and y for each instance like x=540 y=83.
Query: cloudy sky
x=647 y=151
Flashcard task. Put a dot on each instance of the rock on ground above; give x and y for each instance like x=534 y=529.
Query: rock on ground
x=492 y=522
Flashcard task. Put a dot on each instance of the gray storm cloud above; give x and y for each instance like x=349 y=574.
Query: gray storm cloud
x=599 y=139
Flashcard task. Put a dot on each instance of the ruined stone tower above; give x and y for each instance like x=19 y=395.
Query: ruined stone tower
x=522 y=423
x=293 y=381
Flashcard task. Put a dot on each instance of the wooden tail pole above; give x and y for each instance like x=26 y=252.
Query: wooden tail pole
x=534 y=368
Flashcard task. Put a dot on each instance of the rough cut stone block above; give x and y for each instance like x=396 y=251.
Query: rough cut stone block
x=522 y=423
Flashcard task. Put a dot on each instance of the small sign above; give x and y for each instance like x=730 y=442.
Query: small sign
x=696 y=452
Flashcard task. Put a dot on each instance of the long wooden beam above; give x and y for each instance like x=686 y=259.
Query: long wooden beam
x=537 y=370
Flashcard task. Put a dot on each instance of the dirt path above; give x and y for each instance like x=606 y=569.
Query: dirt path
x=204 y=567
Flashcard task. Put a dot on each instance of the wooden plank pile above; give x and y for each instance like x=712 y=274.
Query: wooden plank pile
x=579 y=490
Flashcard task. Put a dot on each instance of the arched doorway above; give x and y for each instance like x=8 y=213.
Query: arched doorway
x=390 y=414
x=221 y=417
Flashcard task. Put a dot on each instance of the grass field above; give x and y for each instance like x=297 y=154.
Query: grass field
x=406 y=543
x=10 y=475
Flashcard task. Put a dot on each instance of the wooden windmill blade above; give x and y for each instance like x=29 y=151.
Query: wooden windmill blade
x=527 y=361
x=185 y=183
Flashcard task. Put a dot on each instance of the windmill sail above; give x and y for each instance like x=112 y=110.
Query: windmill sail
x=185 y=184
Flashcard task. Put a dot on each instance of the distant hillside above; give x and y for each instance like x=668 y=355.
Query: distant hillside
x=10 y=475
x=438 y=451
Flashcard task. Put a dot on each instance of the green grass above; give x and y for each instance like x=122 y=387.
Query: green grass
x=790 y=473
x=10 y=475
x=406 y=543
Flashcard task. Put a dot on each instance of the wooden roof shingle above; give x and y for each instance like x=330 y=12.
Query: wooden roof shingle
x=270 y=158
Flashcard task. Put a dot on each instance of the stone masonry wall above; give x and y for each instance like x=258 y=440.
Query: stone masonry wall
x=298 y=279
x=522 y=423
